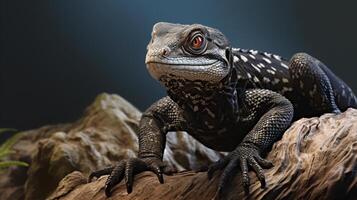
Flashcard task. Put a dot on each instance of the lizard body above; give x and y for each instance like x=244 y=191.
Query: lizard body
x=234 y=100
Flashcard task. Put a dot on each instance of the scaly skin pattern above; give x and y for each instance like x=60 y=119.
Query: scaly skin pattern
x=234 y=100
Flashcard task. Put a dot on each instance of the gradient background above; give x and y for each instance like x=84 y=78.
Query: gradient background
x=56 y=56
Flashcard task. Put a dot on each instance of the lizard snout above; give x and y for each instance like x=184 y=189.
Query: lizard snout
x=155 y=55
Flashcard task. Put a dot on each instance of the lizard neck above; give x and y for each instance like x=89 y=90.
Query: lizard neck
x=208 y=104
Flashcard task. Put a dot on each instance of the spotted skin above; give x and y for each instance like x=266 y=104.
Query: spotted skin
x=305 y=81
x=234 y=100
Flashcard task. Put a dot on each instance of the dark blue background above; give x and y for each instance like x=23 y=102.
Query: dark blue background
x=56 y=56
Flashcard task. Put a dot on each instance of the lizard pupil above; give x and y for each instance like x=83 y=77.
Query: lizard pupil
x=197 y=42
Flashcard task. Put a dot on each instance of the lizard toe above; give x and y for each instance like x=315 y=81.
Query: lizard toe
x=100 y=173
x=114 y=178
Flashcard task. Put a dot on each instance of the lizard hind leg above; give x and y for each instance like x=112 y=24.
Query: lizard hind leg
x=312 y=84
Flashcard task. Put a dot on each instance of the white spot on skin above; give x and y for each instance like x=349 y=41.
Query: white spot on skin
x=301 y=84
x=273 y=68
x=277 y=57
x=236 y=49
x=256 y=79
x=248 y=74
x=208 y=125
x=287 y=89
x=261 y=65
x=244 y=50
x=198 y=88
x=210 y=113
x=285 y=80
x=194 y=101
x=267 y=60
x=276 y=81
x=195 y=108
x=265 y=79
x=313 y=91
x=222 y=130
x=250 y=55
x=235 y=59
x=255 y=67
x=245 y=59
x=150 y=122
x=254 y=52
x=267 y=54
x=284 y=65
x=270 y=71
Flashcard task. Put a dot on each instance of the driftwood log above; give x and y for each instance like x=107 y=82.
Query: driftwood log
x=315 y=159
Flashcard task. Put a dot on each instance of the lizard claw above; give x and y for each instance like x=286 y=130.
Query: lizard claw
x=243 y=157
x=126 y=169
x=115 y=177
x=100 y=173
x=157 y=169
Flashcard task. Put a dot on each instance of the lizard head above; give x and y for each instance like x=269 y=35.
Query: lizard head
x=190 y=52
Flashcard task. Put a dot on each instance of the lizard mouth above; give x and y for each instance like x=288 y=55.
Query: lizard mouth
x=180 y=61
x=203 y=70
x=181 y=64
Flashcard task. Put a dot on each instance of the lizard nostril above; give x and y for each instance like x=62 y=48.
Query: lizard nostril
x=165 y=51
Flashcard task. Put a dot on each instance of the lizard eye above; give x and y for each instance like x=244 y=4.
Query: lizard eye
x=197 y=43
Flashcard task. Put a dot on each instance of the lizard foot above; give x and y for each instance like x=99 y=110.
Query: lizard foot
x=243 y=156
x=126 y=169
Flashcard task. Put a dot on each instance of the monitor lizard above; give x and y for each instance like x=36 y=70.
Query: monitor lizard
x=230 y=99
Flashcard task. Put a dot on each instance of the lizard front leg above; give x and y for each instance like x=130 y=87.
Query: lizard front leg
x=161 y=117
x=273 y=114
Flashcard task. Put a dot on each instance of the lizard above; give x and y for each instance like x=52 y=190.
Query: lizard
x=229 y=99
